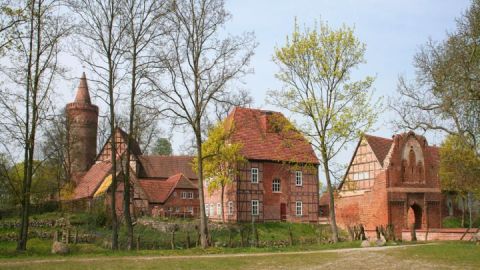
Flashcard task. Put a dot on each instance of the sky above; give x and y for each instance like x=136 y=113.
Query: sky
x=393 y=32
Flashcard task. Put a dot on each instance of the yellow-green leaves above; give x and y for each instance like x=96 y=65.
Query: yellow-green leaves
x=221 y=156
x=459 y=166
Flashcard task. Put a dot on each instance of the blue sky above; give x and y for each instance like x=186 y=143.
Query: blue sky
x=393 y=31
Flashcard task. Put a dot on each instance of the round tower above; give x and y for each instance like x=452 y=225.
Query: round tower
x=82 y=117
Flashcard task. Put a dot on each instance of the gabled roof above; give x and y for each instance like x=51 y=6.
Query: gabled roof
x=263 y=137
x=92 y=180
x=159 y=190
x=166 y=166
x=121 y=144
x=380 y=146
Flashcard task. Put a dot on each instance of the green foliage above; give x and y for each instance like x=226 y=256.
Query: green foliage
x=451 y=222
x=162 y=147
x=459 y=166
x=221 y=156
x=315 y=67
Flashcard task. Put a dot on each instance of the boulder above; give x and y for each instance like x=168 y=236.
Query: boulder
x=60 y=248
x=365 y=243
x=380 y=242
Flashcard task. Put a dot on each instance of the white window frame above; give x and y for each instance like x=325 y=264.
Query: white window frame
x=207 y=210
x=276 y=183
x=230 y=208
x=190 y=209
x=219 y=209
x=212 y=210
x=255 y=207
x=184 y=194
x=298 y=178
x=299 y=208
x=254 y=175
x=190 y=195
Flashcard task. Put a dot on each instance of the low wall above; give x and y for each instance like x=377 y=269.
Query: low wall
x=441 y=234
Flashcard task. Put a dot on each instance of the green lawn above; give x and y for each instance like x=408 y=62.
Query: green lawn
x=446 y=255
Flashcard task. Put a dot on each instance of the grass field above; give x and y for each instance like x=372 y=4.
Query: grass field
x=447 y=255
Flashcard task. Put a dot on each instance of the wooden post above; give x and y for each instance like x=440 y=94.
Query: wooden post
x=138 y=242
x=75 y=239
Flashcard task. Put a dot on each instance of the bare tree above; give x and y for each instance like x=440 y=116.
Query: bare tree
x=101 y=32
x=199 y=67
x=445 y=96
x=11 y=15
x=37 y=43
x=143 y=28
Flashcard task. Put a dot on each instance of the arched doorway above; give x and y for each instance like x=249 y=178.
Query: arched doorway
x=415 y=216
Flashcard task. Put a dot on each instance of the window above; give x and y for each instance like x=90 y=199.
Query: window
x=190 y=209
x=254 y=207
x=230 y=208
x=298 y=208
x=207 y=210
x=219 y=209
x=190 y=195
x=254 y=176
x=170 y=209
x=212 y=210
x=276 y=185
x=177 y=209
x=298 y=178
x=184 y=195
x=174 y=194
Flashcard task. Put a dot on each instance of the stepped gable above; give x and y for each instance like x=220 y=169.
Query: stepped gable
x=157 y=166
x=380 y=146
x=267 y=135
x=159 y=190
x=92 y=180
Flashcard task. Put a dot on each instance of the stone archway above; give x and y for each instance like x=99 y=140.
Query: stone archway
x=415 y=216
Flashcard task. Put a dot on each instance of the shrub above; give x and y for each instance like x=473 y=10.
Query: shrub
x=452 y=222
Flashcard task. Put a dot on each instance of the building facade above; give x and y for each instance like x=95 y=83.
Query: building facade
x=391 y=181
x=279 y=181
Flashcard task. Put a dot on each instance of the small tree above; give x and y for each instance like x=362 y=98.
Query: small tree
x=162 y=147
x=459 y=169
x=315 y=69
x=221 y=159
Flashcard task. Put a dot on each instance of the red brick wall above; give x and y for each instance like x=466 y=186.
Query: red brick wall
x=243 y=191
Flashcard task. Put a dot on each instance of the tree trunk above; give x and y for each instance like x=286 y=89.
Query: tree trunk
x=463 y=212
x=203 y=218
x=333 y=223
x=113 y=152
x=126 y=182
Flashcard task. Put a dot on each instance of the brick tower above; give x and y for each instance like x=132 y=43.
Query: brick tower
x=82 y=117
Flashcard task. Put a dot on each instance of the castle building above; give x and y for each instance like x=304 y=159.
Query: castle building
x=391 y=181
x=279 y=181
x=82 y=122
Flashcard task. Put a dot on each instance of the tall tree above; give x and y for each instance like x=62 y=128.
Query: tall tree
x=36 y=44
x=143 y=28
x=445 y=94
x=222 y=158
x=459 y=169
x=200 y=64
x=101 y=33
x=315 y=67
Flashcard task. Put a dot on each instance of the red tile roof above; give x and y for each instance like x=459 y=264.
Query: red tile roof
x=263 y=137
x=159 y=190
x=92 y=180
x=380 y=146
x=166 y=166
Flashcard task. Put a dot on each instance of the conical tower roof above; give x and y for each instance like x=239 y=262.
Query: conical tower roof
x=83 y=96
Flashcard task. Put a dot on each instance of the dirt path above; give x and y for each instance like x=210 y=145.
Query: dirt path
x=360 y=255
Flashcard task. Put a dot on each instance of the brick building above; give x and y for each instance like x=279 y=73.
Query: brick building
x=391 y=181
x=279 y=180
x=161 y=185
